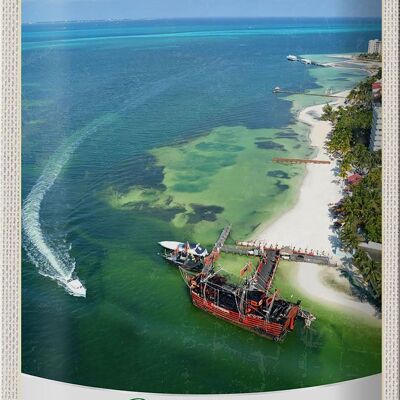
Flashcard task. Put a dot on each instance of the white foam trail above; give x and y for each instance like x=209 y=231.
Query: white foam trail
x=55 y=261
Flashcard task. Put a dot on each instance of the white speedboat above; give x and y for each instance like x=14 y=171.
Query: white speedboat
x=292 y=58
x=170 y=245
x=75 y=287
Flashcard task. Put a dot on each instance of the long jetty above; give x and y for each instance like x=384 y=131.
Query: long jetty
x=258 y=249
x=214 y=255
x=293 y=256
x=222 y=237
x=298 y=161
x=276 y=90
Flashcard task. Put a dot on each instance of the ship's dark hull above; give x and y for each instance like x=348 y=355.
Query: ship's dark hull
x=271 y=330
x=253 y=308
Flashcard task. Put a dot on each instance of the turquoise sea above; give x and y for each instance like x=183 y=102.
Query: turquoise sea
x=136 y=132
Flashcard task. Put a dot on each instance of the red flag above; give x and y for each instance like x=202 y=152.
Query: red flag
x=245 y=268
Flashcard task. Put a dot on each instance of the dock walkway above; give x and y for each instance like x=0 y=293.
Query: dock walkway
x=222 y=237
x=250 y=249
x=294 y=256
x=215 y=253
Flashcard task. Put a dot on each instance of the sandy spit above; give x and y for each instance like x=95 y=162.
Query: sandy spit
x=308 y=224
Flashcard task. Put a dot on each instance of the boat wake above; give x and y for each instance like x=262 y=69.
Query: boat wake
x=51 y=256
x=51 y=259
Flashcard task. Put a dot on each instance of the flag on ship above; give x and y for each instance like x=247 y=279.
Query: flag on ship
x=245 y=268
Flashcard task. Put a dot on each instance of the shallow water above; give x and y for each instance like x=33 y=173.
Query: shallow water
x=166 y=137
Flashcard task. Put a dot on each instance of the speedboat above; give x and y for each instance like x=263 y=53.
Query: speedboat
x=170 y=245
x=190 y=248
x=292 y=58
x=75 y=287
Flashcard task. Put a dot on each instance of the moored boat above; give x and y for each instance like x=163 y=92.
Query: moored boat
x=247 y=301
x=184 y=254
x=190 y=248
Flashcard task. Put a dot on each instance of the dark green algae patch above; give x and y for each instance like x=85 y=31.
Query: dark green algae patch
x=204 y=213
x=224 y=175
x=270 y=145
x=278 y=174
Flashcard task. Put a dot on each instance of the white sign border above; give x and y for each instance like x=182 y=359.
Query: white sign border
x=10 y=199
x=368 y=388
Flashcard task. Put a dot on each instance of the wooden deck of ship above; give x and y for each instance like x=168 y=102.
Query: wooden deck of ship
x=265 y=272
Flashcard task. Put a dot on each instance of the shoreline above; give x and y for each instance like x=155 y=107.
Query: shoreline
x=307 y=225
x=312 y=280
x=286 y=229
x=351 y=61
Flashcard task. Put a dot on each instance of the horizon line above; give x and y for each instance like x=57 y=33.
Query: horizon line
x=192 y=18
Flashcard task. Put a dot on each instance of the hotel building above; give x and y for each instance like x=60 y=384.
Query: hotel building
x=375 y=142
x=374 y=46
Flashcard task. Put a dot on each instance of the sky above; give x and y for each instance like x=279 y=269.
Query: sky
x=61 y=10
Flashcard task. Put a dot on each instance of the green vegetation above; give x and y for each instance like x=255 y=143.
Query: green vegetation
x=362 y=209
x=224 y=175
x=370 y=57
x=352 y=126
x=359 y=214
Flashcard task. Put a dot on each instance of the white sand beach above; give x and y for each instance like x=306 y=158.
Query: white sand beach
x=350 y=61
x=325 y=284
x=308 y=224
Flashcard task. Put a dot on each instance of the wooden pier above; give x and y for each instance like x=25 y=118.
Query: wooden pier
x=258 y=249
x=298 y=161
x=222 y=237
x=215 y=253
x=236 y=250
x=279 y=90
x=291 y=256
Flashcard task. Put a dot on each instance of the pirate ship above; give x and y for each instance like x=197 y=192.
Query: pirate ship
x=249 y=302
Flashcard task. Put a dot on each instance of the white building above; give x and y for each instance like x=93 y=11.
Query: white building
x=374 y=46
x=375 y=142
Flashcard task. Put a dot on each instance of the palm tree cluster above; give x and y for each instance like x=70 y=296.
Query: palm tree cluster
x=361 y=95
x=351 y=129
x=370 y=270
x=359 y=214
x=370 y=57
x=362 y=211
